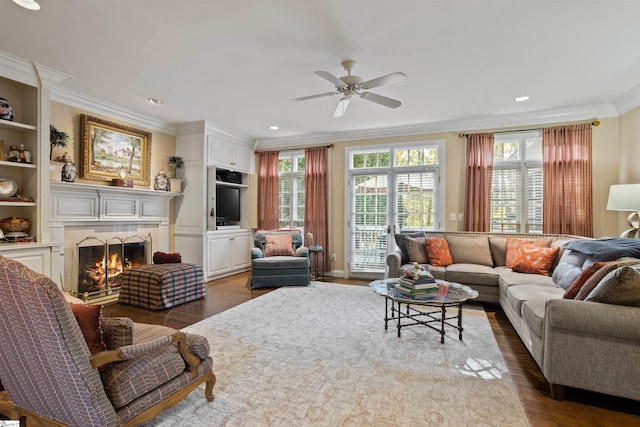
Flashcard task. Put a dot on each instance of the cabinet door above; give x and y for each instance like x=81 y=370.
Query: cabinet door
x=219 y=255
x=219 y=153
x=243 y=159
x=242 y=245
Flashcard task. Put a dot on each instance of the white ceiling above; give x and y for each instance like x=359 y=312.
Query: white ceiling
x=238 y=62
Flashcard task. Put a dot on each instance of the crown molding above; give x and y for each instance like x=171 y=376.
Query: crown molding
x=206 y=127
x=18 y=69
x=475 y=123
x=97 y=106
x=628 y=100
x=49 y=75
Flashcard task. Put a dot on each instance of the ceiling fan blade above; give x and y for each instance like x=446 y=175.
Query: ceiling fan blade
x=331 y=78
x=320 y=95
x=384 y=80
x=382 y=100
x=342 y=107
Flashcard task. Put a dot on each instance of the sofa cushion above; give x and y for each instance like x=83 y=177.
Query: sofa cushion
x=401 y=241
x=279 y=262
x=591 y=283
x=472 y=274
x=518 y=294
x=417 y=250
x=513 y=245
x=438 y=251
x=278 y=245
x=470 y=250
x=508 y=277
x=621 y=286
x=498 y=246
x=533 y=315
x=569 y=268
x=534 y=259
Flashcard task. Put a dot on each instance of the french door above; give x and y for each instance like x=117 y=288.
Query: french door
x=392 y=196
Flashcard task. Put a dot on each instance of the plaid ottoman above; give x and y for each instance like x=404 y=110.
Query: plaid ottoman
x=160 y=286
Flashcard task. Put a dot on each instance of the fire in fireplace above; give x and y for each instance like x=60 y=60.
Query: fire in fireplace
x=101 y=263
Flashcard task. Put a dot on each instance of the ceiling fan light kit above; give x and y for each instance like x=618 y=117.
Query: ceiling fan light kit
x=350 y=86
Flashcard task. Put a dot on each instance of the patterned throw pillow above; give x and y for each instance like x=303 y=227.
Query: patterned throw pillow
x=591 y=283
x=417 y=250
x=575 y=286
x=513 y=246
x=278 y=244
x=534 y=259
x=621 y=286
x=438 y=252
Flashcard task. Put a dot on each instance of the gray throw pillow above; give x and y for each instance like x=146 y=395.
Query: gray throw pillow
x=621 y=286
x=401 y=241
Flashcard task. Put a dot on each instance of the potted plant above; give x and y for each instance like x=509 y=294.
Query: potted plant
x=56 y=139
x=175 y=163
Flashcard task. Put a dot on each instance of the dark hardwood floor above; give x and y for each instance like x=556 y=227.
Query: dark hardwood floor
x=580 y=408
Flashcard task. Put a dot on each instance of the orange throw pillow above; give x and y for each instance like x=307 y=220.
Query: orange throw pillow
x=438 y=252
x=513 y=245
x=278 y=244
x=534 y=259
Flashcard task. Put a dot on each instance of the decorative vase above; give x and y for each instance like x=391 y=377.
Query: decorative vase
x=69 y=170
x=175 y=185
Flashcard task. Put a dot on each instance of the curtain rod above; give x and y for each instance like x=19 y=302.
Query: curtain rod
x=462 y=135
x=297 y=148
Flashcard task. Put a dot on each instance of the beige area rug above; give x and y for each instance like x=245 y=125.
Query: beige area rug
x=319 y=356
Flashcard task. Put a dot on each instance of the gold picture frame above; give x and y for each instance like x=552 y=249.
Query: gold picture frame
x=111 y=150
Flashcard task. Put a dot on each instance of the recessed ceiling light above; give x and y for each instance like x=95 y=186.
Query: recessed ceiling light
x=521 y=98
x=274 y=127
x=28 y=4
x=155 y=101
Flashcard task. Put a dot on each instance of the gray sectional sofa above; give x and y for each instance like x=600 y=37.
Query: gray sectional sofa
x=577 y=343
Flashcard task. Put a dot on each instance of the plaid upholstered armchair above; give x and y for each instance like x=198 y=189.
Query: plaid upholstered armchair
x=50 y=373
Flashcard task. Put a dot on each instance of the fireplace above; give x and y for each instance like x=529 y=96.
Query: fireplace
x=100 y=263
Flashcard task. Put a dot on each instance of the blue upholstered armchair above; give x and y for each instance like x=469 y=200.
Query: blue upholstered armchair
x=279 y=259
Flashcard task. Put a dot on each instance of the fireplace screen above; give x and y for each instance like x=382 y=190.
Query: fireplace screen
x=101 y=263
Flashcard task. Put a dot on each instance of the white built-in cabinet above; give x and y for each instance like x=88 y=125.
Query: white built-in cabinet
x=229 y=251
x=207 y=150
x=26 y=87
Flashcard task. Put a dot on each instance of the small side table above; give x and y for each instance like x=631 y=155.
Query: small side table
x=317 y=265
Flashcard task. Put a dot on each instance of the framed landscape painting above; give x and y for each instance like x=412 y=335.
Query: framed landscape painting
x=111 y=150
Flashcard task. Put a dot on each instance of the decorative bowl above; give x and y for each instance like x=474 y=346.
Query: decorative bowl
x=15 y=224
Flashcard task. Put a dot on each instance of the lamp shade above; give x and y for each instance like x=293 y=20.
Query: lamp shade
x=624 y=197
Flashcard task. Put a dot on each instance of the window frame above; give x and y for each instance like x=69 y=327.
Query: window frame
x=294 y=176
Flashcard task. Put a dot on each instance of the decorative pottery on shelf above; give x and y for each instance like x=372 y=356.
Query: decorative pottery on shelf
x=13 y=224
x=69 y=170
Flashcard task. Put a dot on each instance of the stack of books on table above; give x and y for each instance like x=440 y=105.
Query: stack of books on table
x=422 y=288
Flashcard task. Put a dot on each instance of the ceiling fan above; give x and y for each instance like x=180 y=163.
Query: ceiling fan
x=350 y=86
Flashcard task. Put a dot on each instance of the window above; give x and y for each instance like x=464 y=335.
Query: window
x=516 y=185
x=291 y=190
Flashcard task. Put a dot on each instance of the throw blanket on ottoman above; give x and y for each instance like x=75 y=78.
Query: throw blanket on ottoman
x=160 y=286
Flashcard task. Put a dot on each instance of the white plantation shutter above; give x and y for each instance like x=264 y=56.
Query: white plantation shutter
x=516 y=184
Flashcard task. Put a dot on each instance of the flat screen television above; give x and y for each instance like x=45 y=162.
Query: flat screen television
x=227 y=205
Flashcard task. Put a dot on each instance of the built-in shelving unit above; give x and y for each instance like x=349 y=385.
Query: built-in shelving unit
x=208 y=151
x=26 y=87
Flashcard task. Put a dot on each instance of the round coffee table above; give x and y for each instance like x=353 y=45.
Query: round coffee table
x=419 y=311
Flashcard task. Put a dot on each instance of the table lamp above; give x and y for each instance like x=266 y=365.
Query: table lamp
x=626 y=197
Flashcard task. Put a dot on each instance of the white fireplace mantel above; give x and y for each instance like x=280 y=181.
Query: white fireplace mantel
x=78 y=206
x=74 y=202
